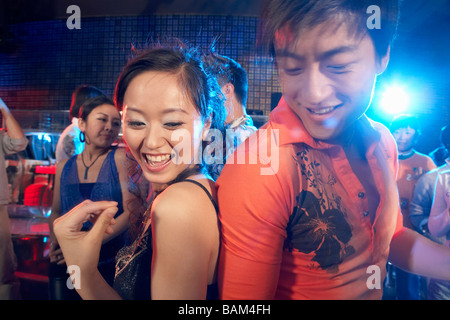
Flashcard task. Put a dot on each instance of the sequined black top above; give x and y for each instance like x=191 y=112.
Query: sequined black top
x=133 y=266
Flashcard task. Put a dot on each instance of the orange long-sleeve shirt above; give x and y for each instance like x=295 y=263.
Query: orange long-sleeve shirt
x=300 y=228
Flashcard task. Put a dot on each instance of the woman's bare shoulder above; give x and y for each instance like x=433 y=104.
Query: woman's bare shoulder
x=185 y=199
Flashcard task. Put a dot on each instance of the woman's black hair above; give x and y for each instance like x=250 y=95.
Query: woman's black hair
x=92 y=103
x=180 y=59
x=200 y=87
x=79 y=96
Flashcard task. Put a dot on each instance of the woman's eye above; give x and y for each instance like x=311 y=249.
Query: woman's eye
x=135 y=124
x=173 y=124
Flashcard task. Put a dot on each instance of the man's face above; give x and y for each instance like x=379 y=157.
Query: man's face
x=327 y=76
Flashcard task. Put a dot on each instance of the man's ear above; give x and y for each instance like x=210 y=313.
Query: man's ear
x=384 y=61
x=228 y=90
x=206 y=127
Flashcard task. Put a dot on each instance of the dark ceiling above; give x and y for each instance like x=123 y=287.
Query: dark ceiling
x=26 y=10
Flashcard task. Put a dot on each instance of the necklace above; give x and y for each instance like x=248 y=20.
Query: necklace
x=404 y=156
x=87 y=167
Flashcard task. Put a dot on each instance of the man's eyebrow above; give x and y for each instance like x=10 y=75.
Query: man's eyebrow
x=335 y=51
x=284 y=53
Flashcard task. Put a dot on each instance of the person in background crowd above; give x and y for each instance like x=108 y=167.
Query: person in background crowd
x=100 y=172
x=439 y=220
x=412 y=165
x=12 y=140
x=420 y=206
x=439 y=155
x=439 y=226
x=325 y=218
x=165 y=95
x=69 y=143
x=233 y=81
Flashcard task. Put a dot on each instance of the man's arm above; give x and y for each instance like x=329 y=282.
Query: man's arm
x=416 y=254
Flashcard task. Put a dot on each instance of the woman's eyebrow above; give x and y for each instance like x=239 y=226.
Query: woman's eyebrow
x=107 y=115
x=164 y=111
x=175 y=109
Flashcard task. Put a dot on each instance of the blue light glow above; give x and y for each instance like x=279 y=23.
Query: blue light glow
x=395 y=100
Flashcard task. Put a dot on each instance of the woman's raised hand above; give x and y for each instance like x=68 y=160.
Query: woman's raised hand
x=82 y=248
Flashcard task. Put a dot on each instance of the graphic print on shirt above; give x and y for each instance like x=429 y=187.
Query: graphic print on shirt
x=317 y=224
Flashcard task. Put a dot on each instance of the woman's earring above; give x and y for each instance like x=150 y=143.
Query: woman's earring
x=82 y=136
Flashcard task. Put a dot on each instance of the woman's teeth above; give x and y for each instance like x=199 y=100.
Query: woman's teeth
x=155 y=159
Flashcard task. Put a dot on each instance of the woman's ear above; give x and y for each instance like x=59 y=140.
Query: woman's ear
x=82 y=125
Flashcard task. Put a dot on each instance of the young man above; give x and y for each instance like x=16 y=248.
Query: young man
x=322 y=224
x=233 y=81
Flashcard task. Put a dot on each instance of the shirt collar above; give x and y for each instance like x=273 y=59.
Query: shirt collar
x=242 y=120
x=292 y=130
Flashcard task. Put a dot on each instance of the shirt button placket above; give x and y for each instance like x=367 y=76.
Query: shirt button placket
x=361 y=195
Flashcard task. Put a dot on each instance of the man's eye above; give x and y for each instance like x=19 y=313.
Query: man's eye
x=338 y=69
x=293 y=71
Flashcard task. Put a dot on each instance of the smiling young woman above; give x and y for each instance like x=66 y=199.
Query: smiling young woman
x=98 y=173
x=164 y=94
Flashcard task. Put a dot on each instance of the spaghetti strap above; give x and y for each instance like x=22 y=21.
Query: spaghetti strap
x=206 y=191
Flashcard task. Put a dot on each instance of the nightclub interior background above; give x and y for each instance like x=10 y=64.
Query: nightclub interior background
x=42 y=61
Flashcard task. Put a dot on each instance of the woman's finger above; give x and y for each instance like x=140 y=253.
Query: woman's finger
x=103 y=223
x=81 y=213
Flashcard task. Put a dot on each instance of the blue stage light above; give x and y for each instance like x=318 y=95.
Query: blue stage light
x=394 y=100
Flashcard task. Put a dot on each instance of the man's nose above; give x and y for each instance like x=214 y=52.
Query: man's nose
x=315 y=87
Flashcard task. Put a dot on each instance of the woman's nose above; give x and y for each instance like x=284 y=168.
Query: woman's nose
x=154 y=139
